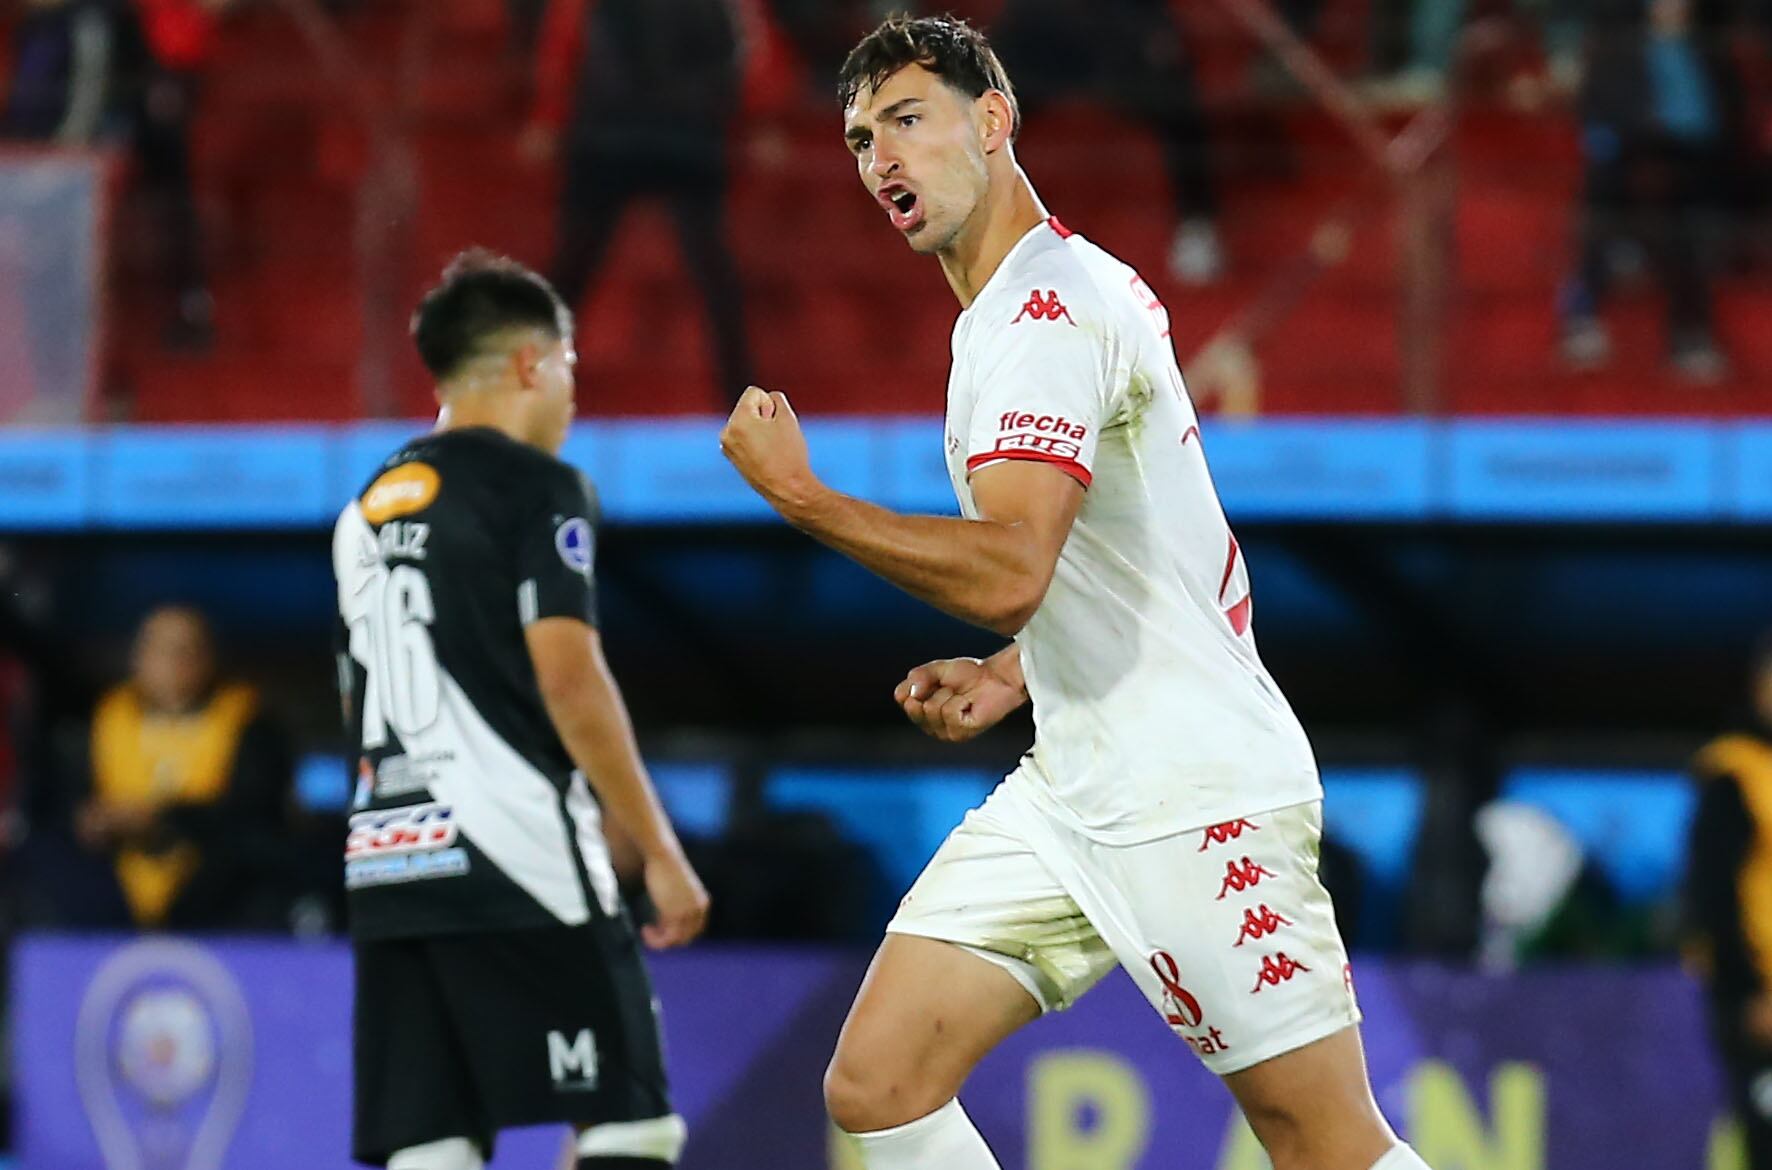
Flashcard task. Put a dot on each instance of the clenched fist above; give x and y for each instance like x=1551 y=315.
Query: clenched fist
x=764 y=442
x=955 y=699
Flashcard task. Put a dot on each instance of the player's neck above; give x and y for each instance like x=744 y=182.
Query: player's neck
x=480 y=410
x=1009 y=212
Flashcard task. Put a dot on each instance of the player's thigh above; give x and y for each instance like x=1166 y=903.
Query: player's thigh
x=1230 y=934
x=995 y=888
x=1312 y=1107
x=927 y=1013
x=560 y=1023
x=985 y=940
x=413 y=1083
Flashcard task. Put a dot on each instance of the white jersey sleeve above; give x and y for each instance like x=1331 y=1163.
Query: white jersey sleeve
x=1045 y=383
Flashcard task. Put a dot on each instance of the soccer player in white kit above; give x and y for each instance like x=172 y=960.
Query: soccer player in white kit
x=1168 y=816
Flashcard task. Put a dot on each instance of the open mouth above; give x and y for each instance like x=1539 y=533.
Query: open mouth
x=903 y=207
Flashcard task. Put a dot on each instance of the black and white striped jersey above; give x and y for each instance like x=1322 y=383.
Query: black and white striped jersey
x=468 y=812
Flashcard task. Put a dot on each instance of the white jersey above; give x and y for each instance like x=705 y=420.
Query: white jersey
x=1153 y=713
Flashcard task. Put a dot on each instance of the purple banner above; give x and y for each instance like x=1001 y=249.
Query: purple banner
x=168 y=1055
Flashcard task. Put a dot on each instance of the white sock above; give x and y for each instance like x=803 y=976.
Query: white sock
x=1401 y=1158
x=945 y=1139
x=448 y=1154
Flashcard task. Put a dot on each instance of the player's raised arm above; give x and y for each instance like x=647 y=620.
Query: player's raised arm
x=587 y=709
x=993 y=571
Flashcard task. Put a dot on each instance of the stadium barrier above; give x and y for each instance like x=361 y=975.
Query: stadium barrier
x=669 y=471
x=237 y=1053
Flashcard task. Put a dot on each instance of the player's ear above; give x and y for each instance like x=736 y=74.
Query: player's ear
x=526 y=363
x=996 y=120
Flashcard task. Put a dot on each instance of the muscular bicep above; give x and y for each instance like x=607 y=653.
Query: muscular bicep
x=1039 y=499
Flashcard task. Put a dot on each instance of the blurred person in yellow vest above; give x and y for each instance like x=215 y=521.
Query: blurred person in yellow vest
x=1728 y=908
x=186 y=793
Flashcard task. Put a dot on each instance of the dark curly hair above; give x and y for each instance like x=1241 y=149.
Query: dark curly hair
x=947 y=46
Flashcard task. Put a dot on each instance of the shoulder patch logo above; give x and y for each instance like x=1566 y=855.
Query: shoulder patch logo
x=402 y=491
x=1049 y=309
x=572 y=539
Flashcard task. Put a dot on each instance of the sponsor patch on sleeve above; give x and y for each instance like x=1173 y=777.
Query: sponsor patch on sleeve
x=1047 y=438
x=1047 y=434
x=572 y=539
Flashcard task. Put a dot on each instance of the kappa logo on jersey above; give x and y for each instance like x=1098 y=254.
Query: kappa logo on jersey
x=414 y=828
x=573 y=542
x=1229 y=831
x=1240 y=876
x=1260 y=923
x=1275 y=970
x=401 y=491
x=1050 y=309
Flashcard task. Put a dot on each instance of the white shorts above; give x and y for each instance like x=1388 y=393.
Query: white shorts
x=1226 y=930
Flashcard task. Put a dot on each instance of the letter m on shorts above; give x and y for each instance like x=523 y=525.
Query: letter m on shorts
x=573 y=1065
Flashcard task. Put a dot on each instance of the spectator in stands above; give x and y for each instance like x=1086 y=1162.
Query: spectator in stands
x=75 y=68
x=1416 y=47
x=647 y=116
x=1661 y=116
x=181 y=38
x=1130 y=54
x=173 y=812
x=1413 y=46
x=122 y=74
x=1728 y=919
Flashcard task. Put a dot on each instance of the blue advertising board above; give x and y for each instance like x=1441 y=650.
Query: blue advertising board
x=670 y=471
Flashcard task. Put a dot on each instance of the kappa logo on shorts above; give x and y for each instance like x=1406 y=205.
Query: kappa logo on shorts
x=1050 y=309
x=1258 y=924
x=1275 y=970
x=1229 y=831
x=1240 y=876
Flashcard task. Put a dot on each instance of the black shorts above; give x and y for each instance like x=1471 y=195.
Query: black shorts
x=463 y=1035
